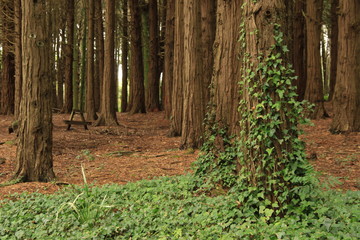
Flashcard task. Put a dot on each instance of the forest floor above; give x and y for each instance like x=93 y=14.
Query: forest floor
x=140 y=148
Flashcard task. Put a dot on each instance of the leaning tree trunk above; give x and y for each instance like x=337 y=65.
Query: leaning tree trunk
x=34 y=151
x=178 y=76
x=169 y=57
x=347 y=89
x=90 y=100
x=137 y=90
x=108 y=113
x=153 y=87
x=314 y=86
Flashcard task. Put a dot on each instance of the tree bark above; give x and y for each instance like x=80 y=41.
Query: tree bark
x=137 y=90
x=90 y=100
x=8 y=59
x=18 y=58
x=169 y=58
x=198 y=62
x=34 y=151
x=178 y=75
x=108 y=113
x=153 y=101
x=334 y=32
x=299 y=48
x=347 y=89
x=99 y=35
x=314 y=86
x=69 y=56
x=124 y=56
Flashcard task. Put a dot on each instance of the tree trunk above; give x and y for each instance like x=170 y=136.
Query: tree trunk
x=90 y=100
x=314 y=86
x=69 y=56
x=137 y=96
x=99 y=55
x=108 y=113
x=347 y=89
x=299 y=48
x=8 y=59
x=198 y=61
x=153 y=101
x=334 y=32
x=124 y=56
x=34 y=151
x=227 y=66
x=18 y=58
x=169 y=58
x=178 y=75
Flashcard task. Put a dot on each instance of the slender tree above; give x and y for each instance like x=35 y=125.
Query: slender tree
x=99 y=63
x=124 y=56
x=34 y=151
x=18 y=57
x=333 y=46
x=169 y=57
x=347 y=89
x=314 y=86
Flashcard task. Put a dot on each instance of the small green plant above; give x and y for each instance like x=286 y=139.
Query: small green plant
x=84 y=206
x=86 y=154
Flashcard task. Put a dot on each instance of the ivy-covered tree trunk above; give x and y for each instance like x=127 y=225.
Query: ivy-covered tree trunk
x=314 y=87
x=346 y=99
x=34 y=151
x=178 y=76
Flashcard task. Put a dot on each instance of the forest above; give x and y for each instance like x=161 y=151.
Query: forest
x=179 y=119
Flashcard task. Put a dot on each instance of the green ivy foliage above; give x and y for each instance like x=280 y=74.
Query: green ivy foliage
x=167 y=208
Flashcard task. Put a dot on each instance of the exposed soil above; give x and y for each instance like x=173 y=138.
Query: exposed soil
x=140 y=149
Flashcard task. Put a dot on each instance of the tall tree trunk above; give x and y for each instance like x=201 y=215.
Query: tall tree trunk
x=299 y=47
x=169 y=58
x=226 y=74
x=34 y=151
x=178 y=76
x=137 y=90
x=347 y=89
x=8 y=59
x=99 y=29
x=314 y=87
x=334 y=32
x=124 y=56
x=18 y=58
x=153 y=101
x=69 y=56
x=199 y=36
x=108 y=113
x=90 y=100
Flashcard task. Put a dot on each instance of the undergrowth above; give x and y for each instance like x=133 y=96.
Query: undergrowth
x=167 y=208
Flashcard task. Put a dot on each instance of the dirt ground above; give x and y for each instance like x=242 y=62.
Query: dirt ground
x=140 y=149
